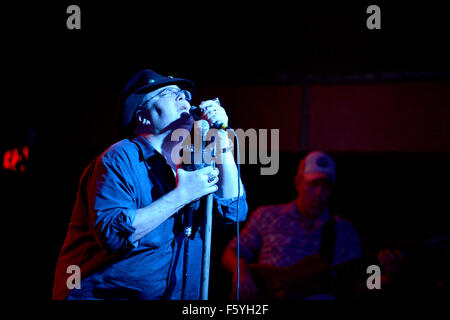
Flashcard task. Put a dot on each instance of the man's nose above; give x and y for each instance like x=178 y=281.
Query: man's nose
x=181 y=96
x=182 y=101
x=319 y=190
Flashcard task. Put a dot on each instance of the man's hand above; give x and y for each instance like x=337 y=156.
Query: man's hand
x=213 y=112
x=390 y=261
x=193 y=185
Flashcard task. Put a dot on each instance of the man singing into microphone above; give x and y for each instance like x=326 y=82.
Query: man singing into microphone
x=126 y=230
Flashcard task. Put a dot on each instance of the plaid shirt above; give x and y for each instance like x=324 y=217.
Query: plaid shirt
x=278 y=235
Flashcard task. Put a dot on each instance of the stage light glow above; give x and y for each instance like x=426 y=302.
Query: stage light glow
x=16 y=159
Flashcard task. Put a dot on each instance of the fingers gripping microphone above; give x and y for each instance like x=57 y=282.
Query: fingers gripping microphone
x=196 y=113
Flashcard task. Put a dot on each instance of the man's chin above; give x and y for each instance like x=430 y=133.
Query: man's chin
x=183 y=122
x=314 y=211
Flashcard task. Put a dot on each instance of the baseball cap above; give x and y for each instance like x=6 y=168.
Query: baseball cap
x=317 y=165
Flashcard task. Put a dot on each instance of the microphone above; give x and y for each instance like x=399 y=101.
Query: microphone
x=196 y=113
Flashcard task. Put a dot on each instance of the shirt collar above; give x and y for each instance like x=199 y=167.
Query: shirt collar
x=146 y=148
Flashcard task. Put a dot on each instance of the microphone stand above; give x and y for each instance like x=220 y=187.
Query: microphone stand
x=201 y=128
x=196 y=114
x=206 y=259
x=206 y=249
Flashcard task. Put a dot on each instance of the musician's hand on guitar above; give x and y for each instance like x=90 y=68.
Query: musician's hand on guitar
x=390 y=261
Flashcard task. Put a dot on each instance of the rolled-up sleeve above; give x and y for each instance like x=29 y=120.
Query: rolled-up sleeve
x=112 y=206
x=229 y=208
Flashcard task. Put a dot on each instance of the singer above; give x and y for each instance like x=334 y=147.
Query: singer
x=126 y=230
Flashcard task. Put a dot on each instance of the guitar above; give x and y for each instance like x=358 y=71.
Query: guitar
x=313 y=275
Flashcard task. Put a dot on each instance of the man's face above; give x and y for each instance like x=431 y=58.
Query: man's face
x=313 y=195
x=165 y=105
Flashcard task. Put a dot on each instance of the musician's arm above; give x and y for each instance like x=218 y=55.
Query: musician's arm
x=228 y=173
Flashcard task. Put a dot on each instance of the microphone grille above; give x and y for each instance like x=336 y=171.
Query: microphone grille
x=196 y=113
x=202 y=125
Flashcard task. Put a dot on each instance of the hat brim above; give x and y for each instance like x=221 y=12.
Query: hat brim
x=182 y=83
x=315 y=176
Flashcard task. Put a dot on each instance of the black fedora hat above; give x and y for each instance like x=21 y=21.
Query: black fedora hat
x=142 y=83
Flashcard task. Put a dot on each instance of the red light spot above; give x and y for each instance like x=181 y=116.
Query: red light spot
x=7 y=160
x=14 y=160
x=25 y=152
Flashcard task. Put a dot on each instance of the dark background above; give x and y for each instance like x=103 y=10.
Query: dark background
x=376 y=100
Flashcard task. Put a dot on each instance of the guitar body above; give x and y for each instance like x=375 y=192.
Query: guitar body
x=312 y=275
x=309 y=276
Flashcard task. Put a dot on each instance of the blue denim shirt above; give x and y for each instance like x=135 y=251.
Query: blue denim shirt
x=129 y=175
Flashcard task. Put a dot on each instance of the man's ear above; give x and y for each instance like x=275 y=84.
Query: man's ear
x=141 y=117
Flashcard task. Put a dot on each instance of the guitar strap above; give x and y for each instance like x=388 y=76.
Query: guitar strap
x=328 y=240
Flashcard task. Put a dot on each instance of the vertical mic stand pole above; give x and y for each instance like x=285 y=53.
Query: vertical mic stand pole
x=207 y=248
x=208 y=231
